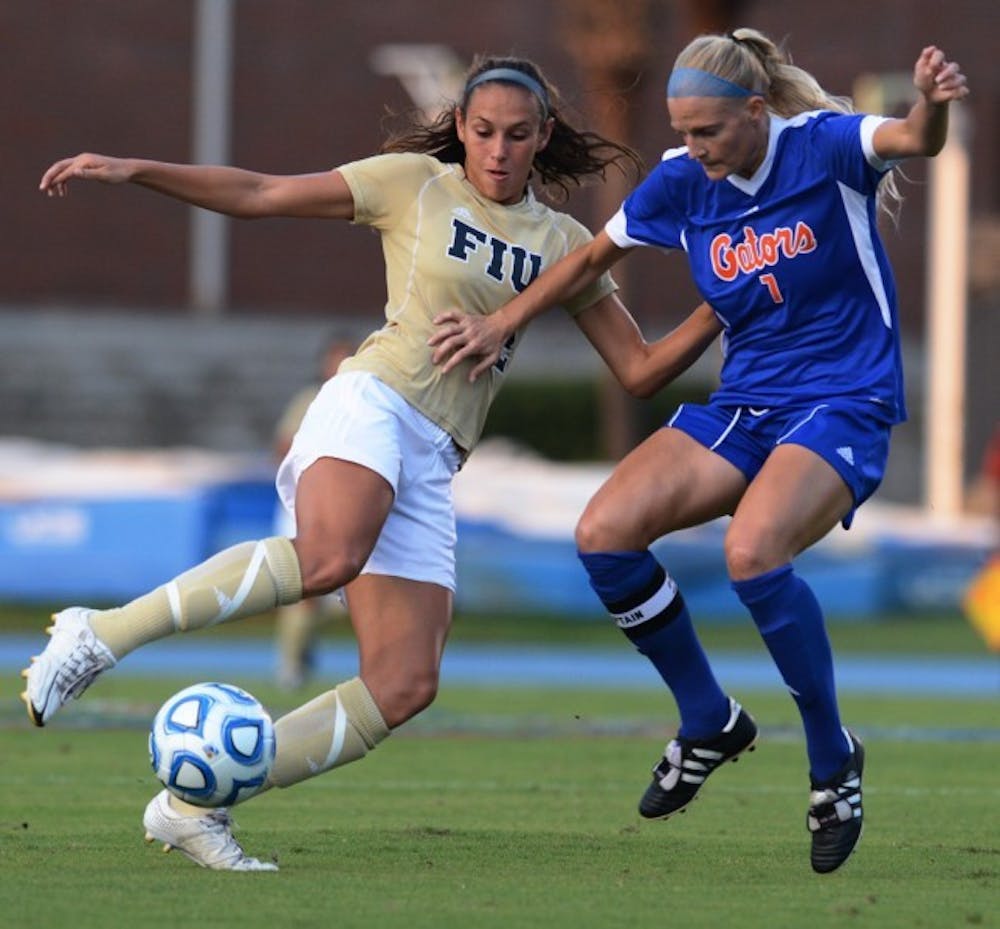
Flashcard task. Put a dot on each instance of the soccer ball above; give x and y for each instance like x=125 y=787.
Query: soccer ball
x=212 y=745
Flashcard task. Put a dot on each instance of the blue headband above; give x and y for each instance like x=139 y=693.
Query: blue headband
x=693 y=82
x=510 y=76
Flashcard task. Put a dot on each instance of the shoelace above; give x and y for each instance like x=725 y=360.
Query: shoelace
x=221 y=827
x=221 y=817
x=84 y=664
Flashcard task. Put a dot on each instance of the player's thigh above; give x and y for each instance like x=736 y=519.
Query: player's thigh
x=795 y=499
x=340 y=508
x=401 y=626
x=670 y=481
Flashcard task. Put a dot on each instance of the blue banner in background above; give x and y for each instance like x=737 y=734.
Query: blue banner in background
x=110 y=549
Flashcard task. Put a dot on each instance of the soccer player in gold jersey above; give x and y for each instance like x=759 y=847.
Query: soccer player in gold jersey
x=368 y=476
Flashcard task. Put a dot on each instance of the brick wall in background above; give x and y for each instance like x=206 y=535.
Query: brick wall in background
x=98 y=345
x=115 y=76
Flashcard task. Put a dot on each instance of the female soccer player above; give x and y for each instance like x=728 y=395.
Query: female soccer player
x=369 y=471
x=774 y=199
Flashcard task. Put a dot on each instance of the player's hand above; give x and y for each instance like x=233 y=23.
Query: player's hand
x=87 y=167
x=460 y=336
x=938 y=79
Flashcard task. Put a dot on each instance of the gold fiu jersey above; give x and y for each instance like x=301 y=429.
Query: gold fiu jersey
x=446 y=246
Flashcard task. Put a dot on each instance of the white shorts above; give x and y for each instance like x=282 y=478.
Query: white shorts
x=356 y=417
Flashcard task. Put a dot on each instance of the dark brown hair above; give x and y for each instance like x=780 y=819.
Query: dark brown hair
x=571 y=156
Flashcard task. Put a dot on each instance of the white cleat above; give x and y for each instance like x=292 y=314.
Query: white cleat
x=207 y=839
x=72 y=659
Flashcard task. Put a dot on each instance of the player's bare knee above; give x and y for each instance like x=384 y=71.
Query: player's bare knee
x=404 y=699
x=594 y=532
x=420 y=693
x=326 y=571
x=747 y=555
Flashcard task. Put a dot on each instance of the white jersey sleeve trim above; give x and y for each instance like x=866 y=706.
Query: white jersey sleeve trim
x=617 y=230
x=868 y=126
x=674 y=153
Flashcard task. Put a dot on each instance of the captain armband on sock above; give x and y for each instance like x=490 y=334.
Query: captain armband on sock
x=635 y=589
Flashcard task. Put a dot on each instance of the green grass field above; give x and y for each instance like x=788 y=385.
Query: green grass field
x=516 y=808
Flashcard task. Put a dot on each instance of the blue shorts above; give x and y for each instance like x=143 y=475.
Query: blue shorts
x=848 y=435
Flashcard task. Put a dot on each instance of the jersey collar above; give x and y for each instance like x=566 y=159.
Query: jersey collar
x=750 y=185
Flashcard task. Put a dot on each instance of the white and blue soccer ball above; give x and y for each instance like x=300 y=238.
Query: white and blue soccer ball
x=212 y=745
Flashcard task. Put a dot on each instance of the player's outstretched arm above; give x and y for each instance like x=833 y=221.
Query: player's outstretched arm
x=644 y=367
x=233 y=191
x=85 y=166
x=922 y=132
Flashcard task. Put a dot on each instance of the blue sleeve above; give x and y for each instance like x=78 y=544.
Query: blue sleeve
x=839 y=138
x=651 y=210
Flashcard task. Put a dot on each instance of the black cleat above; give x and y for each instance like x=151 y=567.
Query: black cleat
x=835 y=814
x=687 y=762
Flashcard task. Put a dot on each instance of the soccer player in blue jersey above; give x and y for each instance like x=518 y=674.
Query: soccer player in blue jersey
x=773 y=197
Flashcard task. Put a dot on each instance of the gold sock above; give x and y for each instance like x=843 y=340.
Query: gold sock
x=240 y=581
x=184 y=808
x=336 y=728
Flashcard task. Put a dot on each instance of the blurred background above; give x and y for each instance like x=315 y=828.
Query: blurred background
x=148 y=349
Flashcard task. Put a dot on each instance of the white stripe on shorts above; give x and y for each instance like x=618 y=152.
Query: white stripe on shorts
x=727 y=430
x=801 y=423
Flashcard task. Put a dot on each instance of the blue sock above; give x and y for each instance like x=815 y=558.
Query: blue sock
x=649 y=609
x=791 y=623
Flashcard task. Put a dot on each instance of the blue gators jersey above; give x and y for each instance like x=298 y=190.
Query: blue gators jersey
x=790 y=260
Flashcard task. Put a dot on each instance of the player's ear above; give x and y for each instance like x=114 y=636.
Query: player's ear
x=756 y=107
x=545 y=133
x=460 y=124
